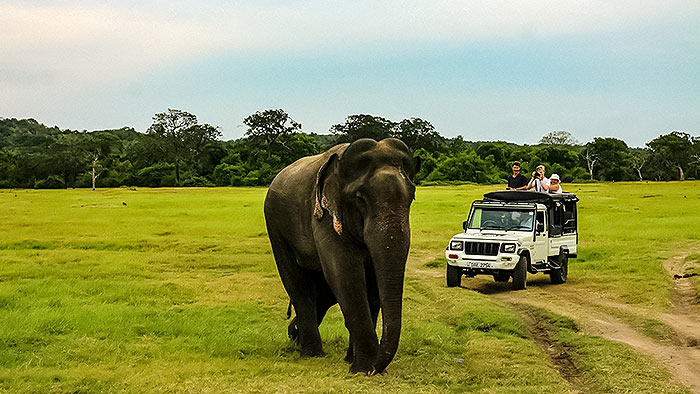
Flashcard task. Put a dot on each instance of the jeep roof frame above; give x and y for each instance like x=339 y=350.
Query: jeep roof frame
x=529 y=196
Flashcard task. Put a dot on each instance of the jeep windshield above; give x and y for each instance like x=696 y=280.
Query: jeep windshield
x=501 y=219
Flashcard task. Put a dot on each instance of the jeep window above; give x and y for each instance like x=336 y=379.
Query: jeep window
x=555 y=223
x=569 y=217
x=540 y=220
x=501 y=219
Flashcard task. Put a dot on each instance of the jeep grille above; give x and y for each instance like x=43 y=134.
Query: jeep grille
x=481 y=248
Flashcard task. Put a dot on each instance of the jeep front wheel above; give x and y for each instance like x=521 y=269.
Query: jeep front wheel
x=558 y=275
x=520 y=274
x=454 y=276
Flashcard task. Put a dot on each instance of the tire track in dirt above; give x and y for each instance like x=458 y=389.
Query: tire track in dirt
x=685 y=315
x=542 y=334
x=596 y=315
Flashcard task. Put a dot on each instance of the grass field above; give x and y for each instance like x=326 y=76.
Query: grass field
x=176 y=291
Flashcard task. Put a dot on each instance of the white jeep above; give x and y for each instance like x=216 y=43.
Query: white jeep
x=511 y=233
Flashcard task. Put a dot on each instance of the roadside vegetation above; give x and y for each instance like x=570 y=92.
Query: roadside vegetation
x=175 y=290
x=178 y=150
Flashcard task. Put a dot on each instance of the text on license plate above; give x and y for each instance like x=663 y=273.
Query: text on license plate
x=478 y=264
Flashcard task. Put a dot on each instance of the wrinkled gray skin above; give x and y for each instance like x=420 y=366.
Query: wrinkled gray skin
x=339 y=227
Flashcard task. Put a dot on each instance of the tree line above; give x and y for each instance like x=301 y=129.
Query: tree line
x=178 y=150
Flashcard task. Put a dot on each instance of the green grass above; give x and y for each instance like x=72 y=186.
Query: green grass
x=175 y=290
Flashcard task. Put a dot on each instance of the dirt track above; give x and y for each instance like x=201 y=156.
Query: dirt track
x=597 y=315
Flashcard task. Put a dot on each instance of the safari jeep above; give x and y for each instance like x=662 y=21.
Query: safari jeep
x=511 y=233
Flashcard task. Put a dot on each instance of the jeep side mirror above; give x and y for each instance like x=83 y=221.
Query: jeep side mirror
x=540 y=227
x=464 y=225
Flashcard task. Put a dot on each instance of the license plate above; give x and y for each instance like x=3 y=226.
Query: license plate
x=479 y=264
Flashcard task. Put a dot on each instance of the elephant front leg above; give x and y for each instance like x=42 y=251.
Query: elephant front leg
x=347 y=279
x=374 y=306
x=364 y=345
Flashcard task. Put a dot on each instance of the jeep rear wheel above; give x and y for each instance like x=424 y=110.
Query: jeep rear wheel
x=559 y=275
x=454 y=276
x=520 y=274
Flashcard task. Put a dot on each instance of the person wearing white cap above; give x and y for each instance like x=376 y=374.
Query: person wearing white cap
x=555 y=186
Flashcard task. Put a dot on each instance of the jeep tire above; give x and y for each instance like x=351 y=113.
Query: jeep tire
x=454 y=276
x=520 y=274
x=558 y=275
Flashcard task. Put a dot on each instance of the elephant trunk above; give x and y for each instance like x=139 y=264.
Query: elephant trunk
x=388 y=241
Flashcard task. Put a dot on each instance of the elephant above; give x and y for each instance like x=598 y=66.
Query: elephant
x=338 y=223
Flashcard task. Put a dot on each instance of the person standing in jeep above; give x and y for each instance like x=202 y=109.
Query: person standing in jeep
x=517 y=181
x=539 y=182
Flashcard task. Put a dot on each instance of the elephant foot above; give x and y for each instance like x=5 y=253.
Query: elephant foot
x=312 y=353
x=362 y=367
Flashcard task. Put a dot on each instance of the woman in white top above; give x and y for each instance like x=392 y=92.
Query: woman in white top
x=555 y=186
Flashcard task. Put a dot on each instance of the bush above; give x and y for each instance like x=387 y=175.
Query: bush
x=197 y=181
x=228 y=174
x=52 y=182
x=160 y=174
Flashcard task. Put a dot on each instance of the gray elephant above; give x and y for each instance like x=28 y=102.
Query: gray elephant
x=339 y=227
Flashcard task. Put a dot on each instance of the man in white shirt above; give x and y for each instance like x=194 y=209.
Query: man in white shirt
x=539 y=182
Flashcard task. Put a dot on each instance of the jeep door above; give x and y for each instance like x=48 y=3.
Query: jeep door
x=541 y=237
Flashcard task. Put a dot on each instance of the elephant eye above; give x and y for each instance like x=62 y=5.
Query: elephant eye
x=360 y=199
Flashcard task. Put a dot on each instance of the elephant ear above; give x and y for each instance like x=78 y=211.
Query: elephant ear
x=416 y=167
x=327 y=194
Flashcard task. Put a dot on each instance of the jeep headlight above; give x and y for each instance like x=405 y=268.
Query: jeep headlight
x=508 y=248
x=456 y=245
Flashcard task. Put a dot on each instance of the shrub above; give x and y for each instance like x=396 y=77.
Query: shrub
x=52 y=182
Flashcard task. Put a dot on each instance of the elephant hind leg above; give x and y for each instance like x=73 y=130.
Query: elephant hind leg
x=324 y=300
x=301 y=287
x=293 y=330
x=324 y=297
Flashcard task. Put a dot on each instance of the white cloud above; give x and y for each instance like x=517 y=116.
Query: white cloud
x=60 y=49
x=94 y=44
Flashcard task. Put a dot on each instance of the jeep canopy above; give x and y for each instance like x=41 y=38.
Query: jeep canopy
x=561 y=207
x=530 y=196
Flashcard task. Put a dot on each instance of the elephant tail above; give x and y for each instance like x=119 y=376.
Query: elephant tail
x=289 y=310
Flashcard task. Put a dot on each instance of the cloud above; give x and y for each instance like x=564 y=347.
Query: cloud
x=93 y=44
x=60 y=49
x=96 y=42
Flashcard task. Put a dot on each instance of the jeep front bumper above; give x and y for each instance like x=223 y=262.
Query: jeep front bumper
x=503 y=261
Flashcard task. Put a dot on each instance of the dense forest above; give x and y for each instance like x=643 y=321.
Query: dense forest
x=177 y=150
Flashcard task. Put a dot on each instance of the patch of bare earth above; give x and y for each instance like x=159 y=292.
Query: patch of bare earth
x=541 y=332
x=598 y=315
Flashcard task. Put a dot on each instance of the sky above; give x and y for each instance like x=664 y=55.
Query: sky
x=495 y=70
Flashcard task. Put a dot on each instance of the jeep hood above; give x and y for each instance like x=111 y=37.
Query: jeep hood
x=492 y=236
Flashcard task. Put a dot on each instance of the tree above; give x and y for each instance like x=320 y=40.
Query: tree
x=69 y=157
x=363 y=126
x=268 y=126
x=559 y=138
x=417 y=133
x=95 y=170
x=674 y=150
x=613 y=159
x=499 y=151
x=639 y=158
x=180 y=136
x=591 y=159
x=99 y=145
